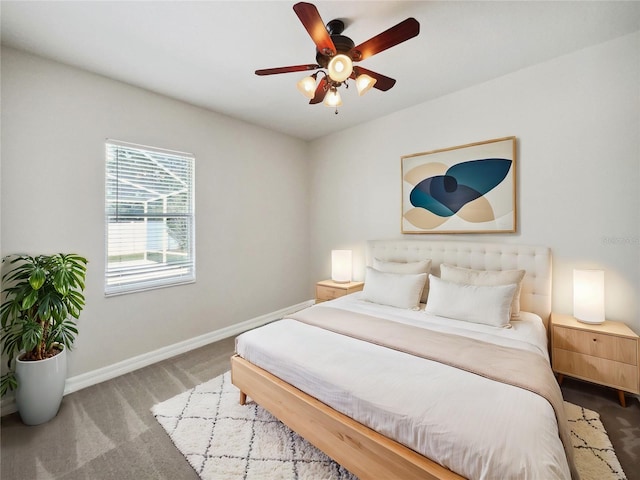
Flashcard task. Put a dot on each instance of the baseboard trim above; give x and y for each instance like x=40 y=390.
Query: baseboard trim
x=103 y=374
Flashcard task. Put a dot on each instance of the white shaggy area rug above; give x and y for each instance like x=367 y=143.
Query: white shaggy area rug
x=594 y=454
x=223 y=440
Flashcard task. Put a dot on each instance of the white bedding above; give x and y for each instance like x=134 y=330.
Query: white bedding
x=476 y=427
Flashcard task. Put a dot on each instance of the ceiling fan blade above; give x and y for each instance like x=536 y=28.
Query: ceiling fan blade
x=321 y=91
x=382 y=82
x=402 y=32
x=293 y=68
x=310 y=18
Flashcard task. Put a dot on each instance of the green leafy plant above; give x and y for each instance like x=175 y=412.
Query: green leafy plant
x=42 y=299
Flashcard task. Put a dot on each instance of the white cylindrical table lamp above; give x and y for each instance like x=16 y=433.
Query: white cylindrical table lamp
x=341 y=266
x=588 y=296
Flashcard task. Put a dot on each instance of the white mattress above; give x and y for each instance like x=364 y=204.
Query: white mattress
x=476 y=427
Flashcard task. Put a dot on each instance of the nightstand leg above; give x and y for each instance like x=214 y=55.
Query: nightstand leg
x=621 y=398
x=243 y=398
x=560 y=378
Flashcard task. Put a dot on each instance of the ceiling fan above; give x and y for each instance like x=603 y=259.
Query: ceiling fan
x=337 y=53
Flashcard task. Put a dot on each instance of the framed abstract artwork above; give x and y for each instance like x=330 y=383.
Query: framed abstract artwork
x=465 y=189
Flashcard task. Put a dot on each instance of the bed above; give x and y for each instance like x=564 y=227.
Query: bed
x=387 y=407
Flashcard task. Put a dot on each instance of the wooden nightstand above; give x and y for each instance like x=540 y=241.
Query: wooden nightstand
x=328 y=289
x=606 y=354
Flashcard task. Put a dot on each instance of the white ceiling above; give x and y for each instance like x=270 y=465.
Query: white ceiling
x=205 y=52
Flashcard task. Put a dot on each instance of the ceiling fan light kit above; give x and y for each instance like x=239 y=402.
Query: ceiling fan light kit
x=336 y=54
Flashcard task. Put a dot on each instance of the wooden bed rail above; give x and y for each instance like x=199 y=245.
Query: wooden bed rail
x=363 y=451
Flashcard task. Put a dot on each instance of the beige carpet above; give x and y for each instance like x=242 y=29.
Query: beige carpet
x=223 y=440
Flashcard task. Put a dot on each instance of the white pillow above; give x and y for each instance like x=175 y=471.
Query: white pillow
x=394 y=289
x=423 y=266
x=469 y=276
x=472 y=303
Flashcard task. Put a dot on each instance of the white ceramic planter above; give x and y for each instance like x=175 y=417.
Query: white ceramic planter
x=40 y=388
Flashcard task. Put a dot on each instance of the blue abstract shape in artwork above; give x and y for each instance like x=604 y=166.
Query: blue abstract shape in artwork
x=444 y=195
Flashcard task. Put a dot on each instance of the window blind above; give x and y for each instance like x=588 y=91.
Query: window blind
x=150 y=221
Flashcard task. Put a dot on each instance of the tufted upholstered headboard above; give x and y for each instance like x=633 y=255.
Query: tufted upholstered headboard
x=536 y=261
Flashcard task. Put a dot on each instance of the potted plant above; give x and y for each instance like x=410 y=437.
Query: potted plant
x=42 y=299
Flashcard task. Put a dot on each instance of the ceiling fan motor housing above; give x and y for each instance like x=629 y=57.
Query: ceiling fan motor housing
x=343 y=44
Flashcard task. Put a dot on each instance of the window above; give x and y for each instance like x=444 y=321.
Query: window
x=150 y=231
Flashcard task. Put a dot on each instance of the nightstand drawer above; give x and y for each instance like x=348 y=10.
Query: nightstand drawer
x=599 y=370
x=329 y=293
x=605 y=346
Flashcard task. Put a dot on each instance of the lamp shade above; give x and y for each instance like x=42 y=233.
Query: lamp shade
x=340 y=68
x=364 y=83
x=307 y=86
x=332 y=98
x=341 y=266
x=588 y=296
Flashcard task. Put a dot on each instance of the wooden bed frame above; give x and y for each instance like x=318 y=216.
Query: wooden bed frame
x=363 y=451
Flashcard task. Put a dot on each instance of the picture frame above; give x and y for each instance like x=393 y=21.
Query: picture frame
x=465 y=189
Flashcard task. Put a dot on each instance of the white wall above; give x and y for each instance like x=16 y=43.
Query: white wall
x=577 y=121
x=263 y=239
x=251 y=204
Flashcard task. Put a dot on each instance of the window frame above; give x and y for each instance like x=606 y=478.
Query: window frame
x=165 y=273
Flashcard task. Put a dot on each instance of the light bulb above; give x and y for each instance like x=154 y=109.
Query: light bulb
x=364 y=83
x=340 y=68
